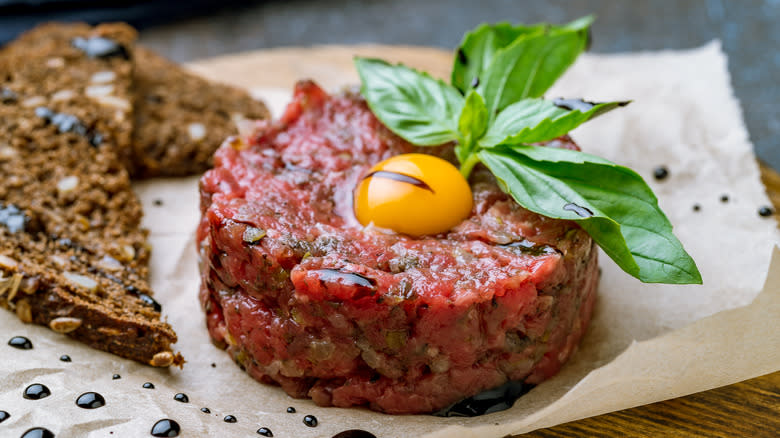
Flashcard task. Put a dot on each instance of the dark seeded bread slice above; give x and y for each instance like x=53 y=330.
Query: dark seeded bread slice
x=94 y=75
x=181 y=119
x=72 y=253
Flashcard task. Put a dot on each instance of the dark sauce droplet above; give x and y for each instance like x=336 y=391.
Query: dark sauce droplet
x=65 y=358
x=574 y=104
x=205 y=410
x=148 y=385
x=487 y=402
x=347 y=278
x=38 y=432
x=526 y=246
x=354 y=433
x=724 y=198
x=660 y=173
x=291 y=410
x=150 y=302
x=310 y=420
x=4 y=416
x=400 y=177
x=696 y=207
x=230 y=419
x=213 y=365
x=116 y=377
x=90 y=400
x=765 y=211
x=157 y=202
x=181 y=397
x=36 y=391
x=462 y=57
x=166 y=427
x=21 y=343
x=264 y=431
x=581 y=105
x=589 y=39
x=578 y=210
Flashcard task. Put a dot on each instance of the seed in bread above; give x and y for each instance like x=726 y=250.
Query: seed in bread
x=73 y=255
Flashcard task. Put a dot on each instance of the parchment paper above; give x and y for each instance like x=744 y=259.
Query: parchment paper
x=646 y=342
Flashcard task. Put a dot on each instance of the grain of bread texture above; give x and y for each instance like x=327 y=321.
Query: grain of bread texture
x=181 y=119
x=73 y=255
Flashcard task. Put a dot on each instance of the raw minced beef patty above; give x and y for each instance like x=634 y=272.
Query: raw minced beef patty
x=301 y=295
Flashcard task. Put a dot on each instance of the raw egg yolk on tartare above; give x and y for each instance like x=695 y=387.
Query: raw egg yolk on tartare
x=414 y=194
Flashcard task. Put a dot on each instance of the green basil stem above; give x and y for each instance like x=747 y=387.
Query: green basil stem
x=468 y=164
x=495 y=119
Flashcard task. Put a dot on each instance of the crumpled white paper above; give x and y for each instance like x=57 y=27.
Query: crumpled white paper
x=646 y=342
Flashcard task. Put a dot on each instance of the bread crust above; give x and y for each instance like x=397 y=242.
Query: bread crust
x=74 y=255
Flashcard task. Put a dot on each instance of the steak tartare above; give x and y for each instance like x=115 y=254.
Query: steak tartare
x=302 y=295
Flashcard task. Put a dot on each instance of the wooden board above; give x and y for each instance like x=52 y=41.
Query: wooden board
x=749 y=409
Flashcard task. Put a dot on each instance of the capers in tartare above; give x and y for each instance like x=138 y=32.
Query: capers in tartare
x=414 y=194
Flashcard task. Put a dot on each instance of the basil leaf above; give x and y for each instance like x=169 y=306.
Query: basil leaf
x=578 y=25
x=478 y=47
x=611 y=202
x=417 y=107
x=531 y=64
x=471 y=124
x=535 y=120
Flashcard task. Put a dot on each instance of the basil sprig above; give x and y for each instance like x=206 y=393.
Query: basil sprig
x=612 y=203
x=494 y=113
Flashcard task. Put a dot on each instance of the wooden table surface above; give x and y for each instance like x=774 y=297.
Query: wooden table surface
x=746 y=409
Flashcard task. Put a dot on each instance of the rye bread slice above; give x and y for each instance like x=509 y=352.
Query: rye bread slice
x=73 y=255
x=181 y=119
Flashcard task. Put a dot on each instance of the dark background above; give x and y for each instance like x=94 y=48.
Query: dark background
x=185 y=30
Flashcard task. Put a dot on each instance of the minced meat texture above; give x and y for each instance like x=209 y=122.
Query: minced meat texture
x=304 y=296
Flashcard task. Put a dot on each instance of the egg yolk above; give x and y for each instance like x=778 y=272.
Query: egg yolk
x=414 y=194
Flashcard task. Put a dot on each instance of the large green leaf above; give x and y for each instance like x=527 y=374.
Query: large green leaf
x=611 y=202
x=478 y=47
x=536 y=120
x=417 y=107
x=531 y=64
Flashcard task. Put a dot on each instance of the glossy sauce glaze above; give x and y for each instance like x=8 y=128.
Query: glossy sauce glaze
x=166 y=428
x=310 y=420
x=354 y=433
x=487 y=402
x=264 y=431
x=21 y=343
x=90 y=400
x=36 y=391
x=38 y=432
